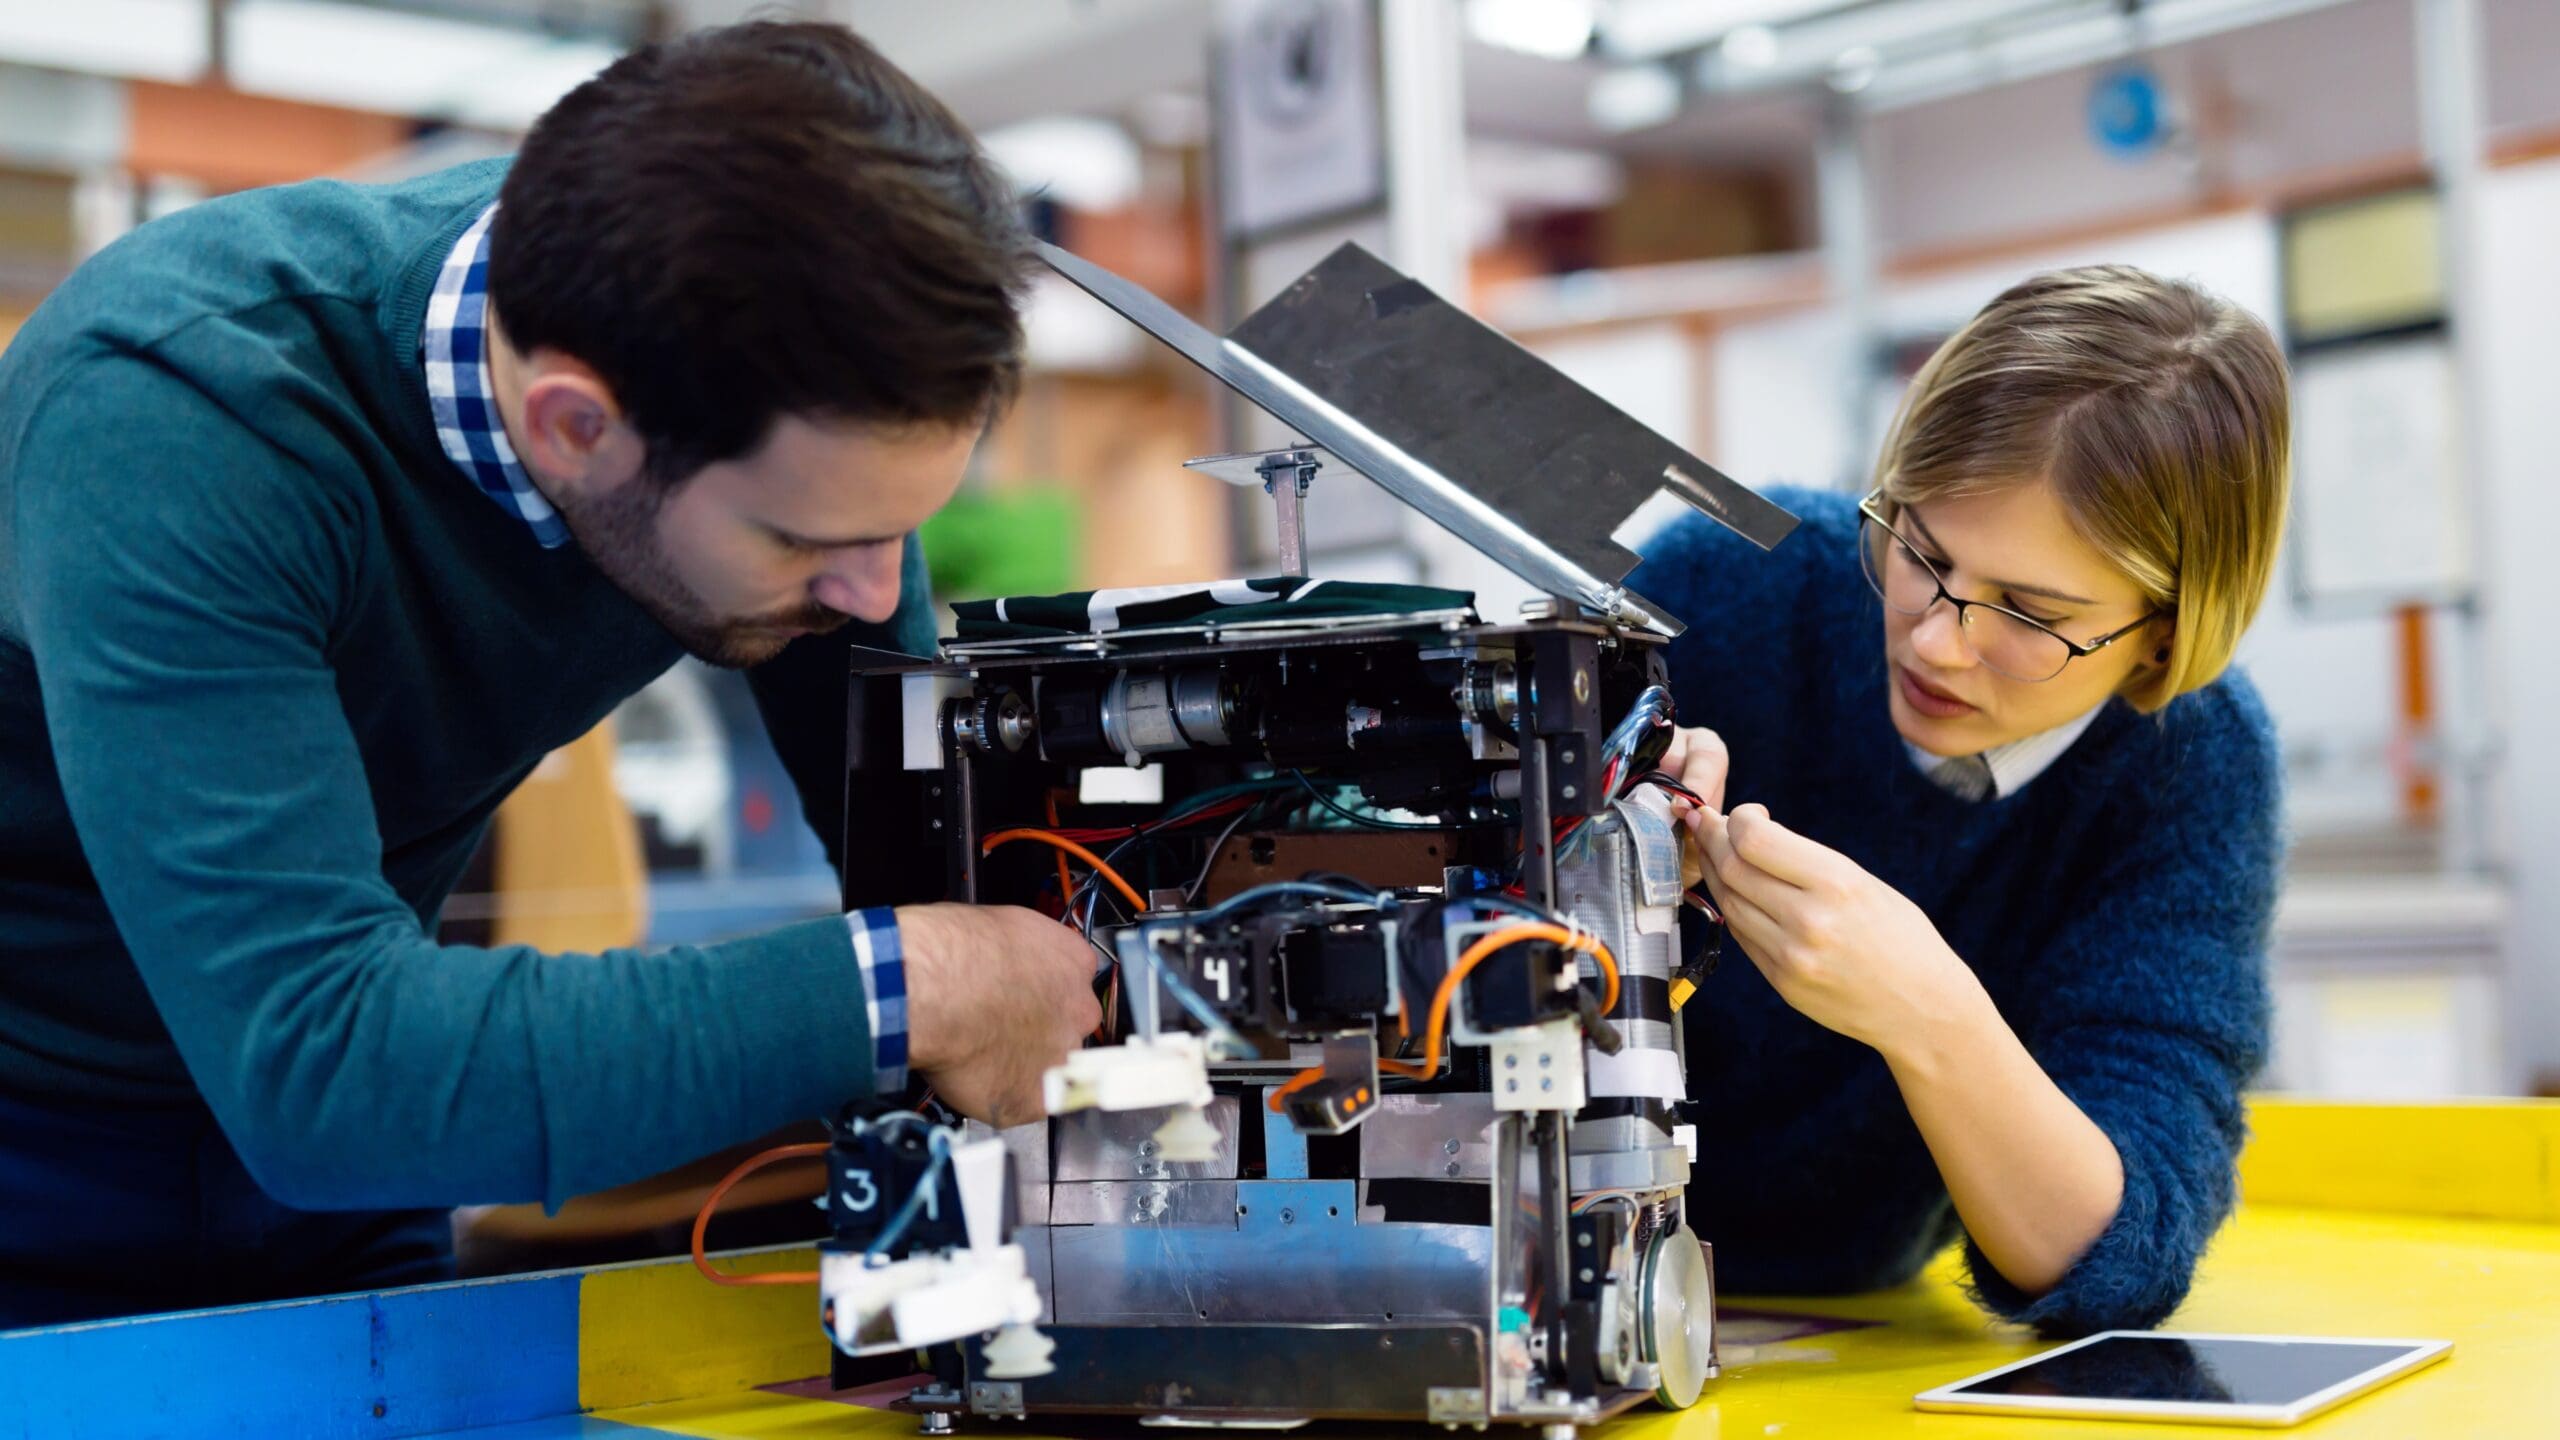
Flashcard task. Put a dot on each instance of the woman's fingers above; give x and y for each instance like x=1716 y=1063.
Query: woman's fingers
x=1729 y=871
x=1754 y=929
x=1697 y=758
x=1776 y=851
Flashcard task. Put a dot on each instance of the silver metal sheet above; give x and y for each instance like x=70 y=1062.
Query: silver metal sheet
x=1455 y=420
x=1297 y=1254
x=1144 y=1202
x=1028 y=1147
x=1108 y=1145
x=1428 y=1137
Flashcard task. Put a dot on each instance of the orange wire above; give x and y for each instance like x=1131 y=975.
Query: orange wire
x=1468 y=960
x=702 y=1221
x=1067 y=899
x=1007 y=837
x=1066 y=882
x=1294 y=1084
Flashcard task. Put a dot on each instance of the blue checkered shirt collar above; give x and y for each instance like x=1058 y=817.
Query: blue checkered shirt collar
x=455 y=350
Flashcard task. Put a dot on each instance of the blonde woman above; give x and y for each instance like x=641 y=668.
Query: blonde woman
x=1993 y=819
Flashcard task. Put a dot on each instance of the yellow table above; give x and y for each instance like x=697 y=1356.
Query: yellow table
x=2438 y=1221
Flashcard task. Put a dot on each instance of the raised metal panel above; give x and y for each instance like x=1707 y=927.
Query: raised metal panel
x=1457 y=421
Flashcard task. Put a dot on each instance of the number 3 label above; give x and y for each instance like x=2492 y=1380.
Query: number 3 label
x=870 y=1192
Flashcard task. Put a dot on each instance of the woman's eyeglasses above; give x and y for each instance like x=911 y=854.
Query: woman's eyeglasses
x=2005 y=641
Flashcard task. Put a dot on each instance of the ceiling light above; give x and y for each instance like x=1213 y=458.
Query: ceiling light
x=403 y=63
x=1549 y=29
x=1856 y=69
x=1749 y=47
x=1650 y=29
x=1634 y=98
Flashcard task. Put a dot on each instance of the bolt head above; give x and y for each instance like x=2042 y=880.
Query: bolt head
x=1547 y=1084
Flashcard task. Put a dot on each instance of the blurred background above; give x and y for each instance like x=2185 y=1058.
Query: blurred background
x=1743 y=221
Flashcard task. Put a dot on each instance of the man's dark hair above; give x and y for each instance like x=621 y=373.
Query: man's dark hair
x=758 y=221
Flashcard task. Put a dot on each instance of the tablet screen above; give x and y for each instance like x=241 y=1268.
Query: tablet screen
x=2196 y=1369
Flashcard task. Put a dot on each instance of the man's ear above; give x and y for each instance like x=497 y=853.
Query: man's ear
x=574 y=432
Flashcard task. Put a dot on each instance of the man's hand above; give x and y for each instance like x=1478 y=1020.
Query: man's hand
x=996 y=994
x=1843 y=947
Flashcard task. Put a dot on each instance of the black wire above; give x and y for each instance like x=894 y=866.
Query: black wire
x=1666 y=781
x=1370 y=823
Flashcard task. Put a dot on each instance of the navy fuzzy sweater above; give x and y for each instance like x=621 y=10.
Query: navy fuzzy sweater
x=2116 y=909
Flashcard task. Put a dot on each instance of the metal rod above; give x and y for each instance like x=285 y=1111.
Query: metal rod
x=1288 y=503
x=1555 y=1217
x=1537 y=823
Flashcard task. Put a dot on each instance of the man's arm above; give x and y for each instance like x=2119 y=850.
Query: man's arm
x=181 y=628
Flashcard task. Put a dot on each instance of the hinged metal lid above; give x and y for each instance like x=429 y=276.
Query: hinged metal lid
x=1454 y=419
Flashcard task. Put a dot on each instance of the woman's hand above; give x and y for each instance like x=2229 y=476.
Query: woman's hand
x=1838 y=944
x=2035 y=1181
x=1698 y=760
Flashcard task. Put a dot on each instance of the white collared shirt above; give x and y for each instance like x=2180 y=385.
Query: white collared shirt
x=2008 y=767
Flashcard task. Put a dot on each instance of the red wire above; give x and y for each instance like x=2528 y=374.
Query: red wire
x=702 y=1220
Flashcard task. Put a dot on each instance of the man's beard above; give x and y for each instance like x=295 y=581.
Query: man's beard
x=619 y=535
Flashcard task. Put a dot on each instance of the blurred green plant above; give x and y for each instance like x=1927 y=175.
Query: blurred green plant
x=1022 y=542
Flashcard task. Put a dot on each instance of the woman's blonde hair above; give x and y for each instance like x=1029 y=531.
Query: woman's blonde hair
x=2157 y=412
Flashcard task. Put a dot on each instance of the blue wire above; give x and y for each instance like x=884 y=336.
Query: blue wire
x=1344 y=893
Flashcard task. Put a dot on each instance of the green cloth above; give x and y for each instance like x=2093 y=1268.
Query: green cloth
x=268 y=662
x=1228 y=602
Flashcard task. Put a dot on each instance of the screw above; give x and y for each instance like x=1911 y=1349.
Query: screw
x=1546 y=1059
x=1449 y=1146
x=1547 y=1084
x=1146 y=1147
x=1288 y=1216
x=1586 y=1273
x=1453 y=1169
x=1584 y=1240
x=1510 y=1084
x=1510 y=1062
x=1569 y=793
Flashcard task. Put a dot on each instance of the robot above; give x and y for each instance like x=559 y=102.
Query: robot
x=1385 y=899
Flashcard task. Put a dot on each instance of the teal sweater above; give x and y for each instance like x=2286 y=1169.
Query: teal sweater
x=268 y=662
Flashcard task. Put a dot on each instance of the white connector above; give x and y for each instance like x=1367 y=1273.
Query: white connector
x=924 y=1299
x=1140 y=1074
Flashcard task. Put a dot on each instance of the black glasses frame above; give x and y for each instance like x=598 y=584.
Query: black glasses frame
x=1868 y=514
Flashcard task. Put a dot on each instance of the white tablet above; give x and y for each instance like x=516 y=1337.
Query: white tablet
x=2204 y=1379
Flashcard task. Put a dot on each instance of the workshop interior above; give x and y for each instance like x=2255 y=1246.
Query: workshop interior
x=1293 y=653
